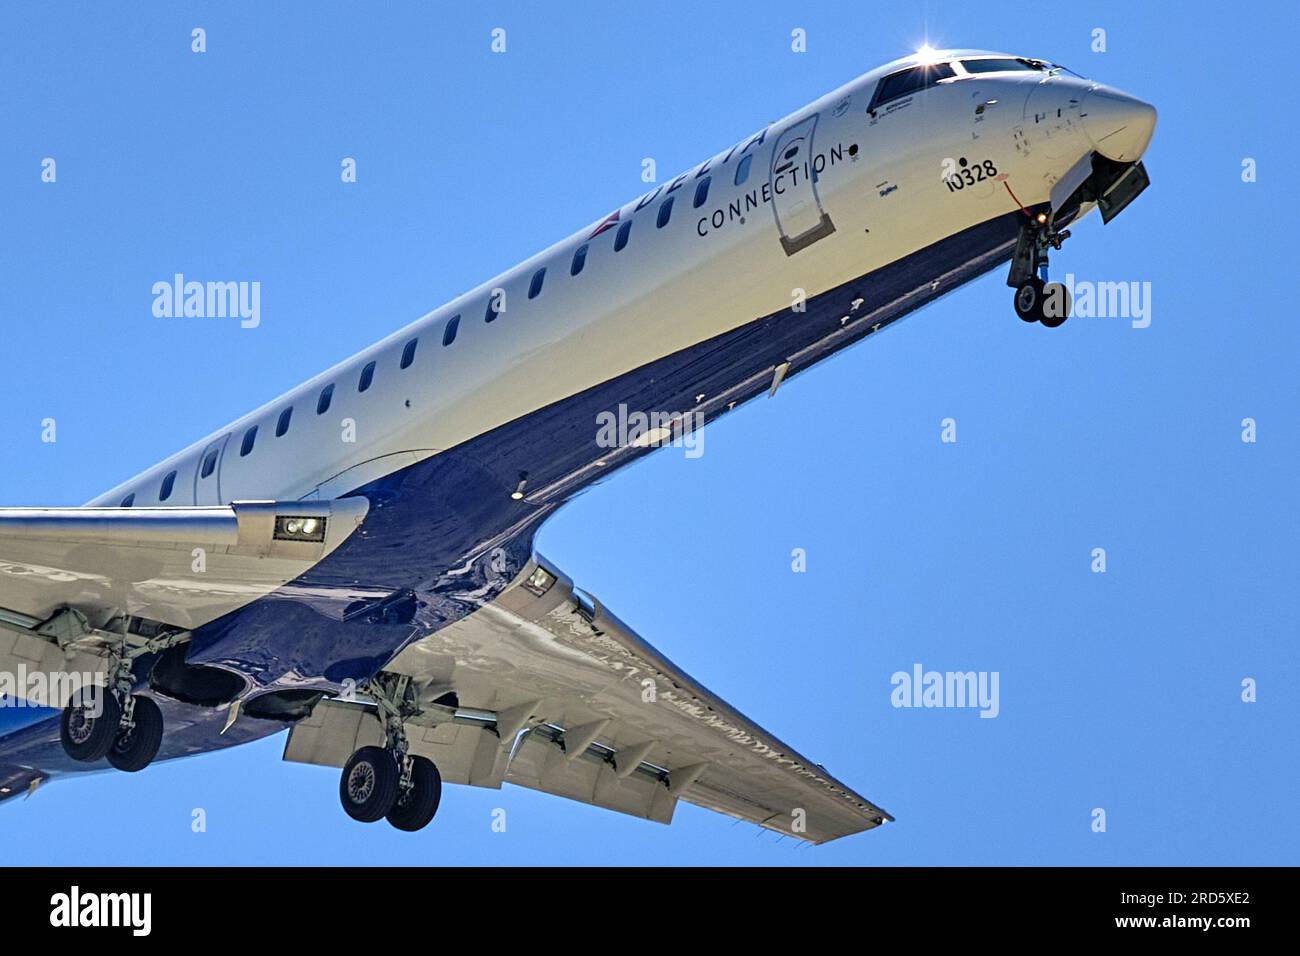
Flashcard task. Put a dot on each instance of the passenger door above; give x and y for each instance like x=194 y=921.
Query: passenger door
x=800 y=219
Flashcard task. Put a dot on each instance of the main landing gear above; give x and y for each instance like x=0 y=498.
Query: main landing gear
x=389 y=781
x=1036 y=299
x=109 y=721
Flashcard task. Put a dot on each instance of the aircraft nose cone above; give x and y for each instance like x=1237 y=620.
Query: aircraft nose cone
x=1119 y=125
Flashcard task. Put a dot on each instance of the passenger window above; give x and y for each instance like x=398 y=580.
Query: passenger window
x=408 y=353
x=165 y=491
x=535 y=287
x=665 y=212
x=209 y=463
x=909 y=81
x=449 y=333
x=282 y=425
x=367 y=376
x=702 y=192
x=742 y=170
x=323 y=403
x=246 y=446
x=620 y=237
x=579 y=260
x=129 y=500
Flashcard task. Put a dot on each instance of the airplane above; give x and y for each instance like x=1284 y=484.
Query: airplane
x=353 y=562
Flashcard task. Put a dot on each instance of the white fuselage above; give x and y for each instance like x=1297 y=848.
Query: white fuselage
x=708 y=270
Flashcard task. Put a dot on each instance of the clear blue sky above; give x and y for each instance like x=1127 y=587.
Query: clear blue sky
x=1120 y=691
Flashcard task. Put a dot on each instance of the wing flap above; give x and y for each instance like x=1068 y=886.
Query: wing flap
x=541 y=763
x=465 y=753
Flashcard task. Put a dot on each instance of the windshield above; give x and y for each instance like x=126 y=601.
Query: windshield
x=906 y=82
x=1001 y=64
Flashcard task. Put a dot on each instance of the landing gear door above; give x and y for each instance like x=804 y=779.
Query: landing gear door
x=800 y=219
x=207 y=475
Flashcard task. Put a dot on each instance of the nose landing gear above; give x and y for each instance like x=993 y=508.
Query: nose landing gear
x=1036 y=299
x=1045 y=302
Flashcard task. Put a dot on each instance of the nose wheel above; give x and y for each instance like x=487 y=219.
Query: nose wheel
x=1036 y=299
x=1045 y=302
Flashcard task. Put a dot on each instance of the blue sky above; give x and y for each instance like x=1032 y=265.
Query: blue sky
x=1119 y=691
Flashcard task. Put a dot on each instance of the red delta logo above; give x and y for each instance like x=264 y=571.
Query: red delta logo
x=607 y=223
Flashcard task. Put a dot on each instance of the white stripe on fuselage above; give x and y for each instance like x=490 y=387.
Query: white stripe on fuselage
x=670 y=288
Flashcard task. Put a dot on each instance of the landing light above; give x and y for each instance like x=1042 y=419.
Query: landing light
x=540 y=581
x=299 y=528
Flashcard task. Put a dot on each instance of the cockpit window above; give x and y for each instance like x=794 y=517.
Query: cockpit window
x=909 y=81
x=1001 y=64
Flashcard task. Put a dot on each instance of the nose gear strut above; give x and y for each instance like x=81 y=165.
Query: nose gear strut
x=1036 y=299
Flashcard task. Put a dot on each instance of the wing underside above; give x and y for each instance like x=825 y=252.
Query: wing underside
x=178 y=566
x=554 y=693
x=66 y=574
x=543 y=688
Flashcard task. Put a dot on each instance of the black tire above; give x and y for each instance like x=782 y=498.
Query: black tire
x=89 y=723
x=1028 y=300
x=1056 y=305
x=368 y=787
x=135 y=749
x=416 y=807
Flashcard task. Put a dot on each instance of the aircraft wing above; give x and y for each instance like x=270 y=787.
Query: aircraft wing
x=555 y=693
x=180 y=567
